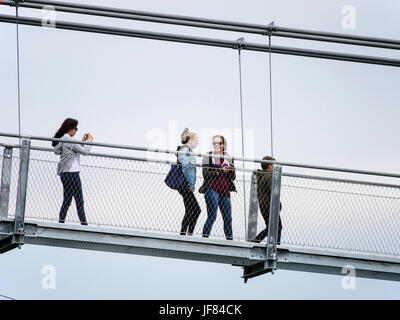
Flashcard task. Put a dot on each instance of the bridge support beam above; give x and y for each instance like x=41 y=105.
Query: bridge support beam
x=15 y=238
x=253 y=210
x=251 y=256
x=19 y=223
x=5 y=182
x=327 y=264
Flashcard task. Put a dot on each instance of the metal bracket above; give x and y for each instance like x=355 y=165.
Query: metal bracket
x=241 y=43
x=5 y=182
x=274 y=213
x=258 y=269
x=270 y=29
x=16 y=3
x=19 y=222
x=253 y=210
x=9 y=239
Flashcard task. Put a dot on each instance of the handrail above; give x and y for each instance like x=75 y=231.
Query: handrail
x=165 y=151
x=188 y=21
x=206 y=41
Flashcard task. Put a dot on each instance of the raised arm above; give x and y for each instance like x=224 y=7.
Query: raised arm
x=82 y=149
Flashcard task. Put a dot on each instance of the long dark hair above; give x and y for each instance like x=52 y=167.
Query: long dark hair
x=66 y=126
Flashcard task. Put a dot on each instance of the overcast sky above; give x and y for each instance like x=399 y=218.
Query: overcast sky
x=136 y=92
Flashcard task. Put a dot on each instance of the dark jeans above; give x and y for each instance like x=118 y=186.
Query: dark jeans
x=261 y=236
x=72 y=188
x=192 y=211
x=213 y=201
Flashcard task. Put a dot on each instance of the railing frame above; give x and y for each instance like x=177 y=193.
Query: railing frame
x=5 y=182
x=272 y=258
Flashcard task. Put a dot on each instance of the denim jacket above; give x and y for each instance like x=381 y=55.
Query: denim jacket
x=188 y=163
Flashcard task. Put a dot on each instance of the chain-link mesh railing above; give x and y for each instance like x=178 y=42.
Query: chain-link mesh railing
x=125 y=193
x=358 y=217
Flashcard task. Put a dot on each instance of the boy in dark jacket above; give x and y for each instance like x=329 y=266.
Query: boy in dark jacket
x=264 y=185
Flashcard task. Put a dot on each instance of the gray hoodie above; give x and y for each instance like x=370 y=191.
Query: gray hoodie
x=69 y=152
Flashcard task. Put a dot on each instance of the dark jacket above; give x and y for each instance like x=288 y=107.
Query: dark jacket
x=209 y=172
x=264 y=186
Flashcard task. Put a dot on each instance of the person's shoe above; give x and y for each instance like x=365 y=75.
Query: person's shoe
x=183 y=233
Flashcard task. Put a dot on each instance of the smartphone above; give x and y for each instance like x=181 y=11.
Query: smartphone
x=225 y=164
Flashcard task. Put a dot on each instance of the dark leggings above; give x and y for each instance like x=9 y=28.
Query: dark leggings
x=192 y=211
x=263 y=234
x=72 y=188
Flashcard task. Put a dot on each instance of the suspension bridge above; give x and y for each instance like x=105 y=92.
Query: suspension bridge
x=329 y=222
x=334 y=218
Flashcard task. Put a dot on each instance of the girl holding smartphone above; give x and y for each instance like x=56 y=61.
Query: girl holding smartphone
x=219 y=174
x=68 y=167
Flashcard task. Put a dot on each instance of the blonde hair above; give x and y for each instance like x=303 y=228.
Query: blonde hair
x=187 y=135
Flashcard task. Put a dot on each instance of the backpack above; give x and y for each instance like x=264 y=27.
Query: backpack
x=175 y=178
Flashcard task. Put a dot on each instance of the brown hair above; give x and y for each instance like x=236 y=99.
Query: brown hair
x=266 y=165
x=223 y=141
x=66 y=126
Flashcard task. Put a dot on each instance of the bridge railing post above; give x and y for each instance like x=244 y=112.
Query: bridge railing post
x=253 y=210
x=5 y=182
x=273 y=224
x=19 y=224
